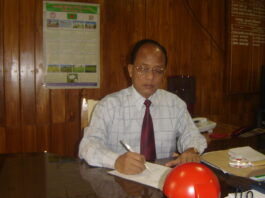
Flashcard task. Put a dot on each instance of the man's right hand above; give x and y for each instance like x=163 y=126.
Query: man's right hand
x=130 y=163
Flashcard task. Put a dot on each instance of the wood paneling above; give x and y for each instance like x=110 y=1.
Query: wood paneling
x=11 y=63
x=2 y=97
x=193 y=48
x=43 y=114
x=43 y=137
x=11 y=90
x=26 y=61
x=34 y=118
x=2 y=140
x=13 y=139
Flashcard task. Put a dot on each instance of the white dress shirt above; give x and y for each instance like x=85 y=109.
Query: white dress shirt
x=119 y=116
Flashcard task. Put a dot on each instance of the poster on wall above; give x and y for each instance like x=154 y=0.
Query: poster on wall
x=71 y=41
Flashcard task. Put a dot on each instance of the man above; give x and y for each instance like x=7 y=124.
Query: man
x=119 y=116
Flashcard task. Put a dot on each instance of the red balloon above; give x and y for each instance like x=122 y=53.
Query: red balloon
x=191 y=180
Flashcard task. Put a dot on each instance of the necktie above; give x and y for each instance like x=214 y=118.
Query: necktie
x=147 y=135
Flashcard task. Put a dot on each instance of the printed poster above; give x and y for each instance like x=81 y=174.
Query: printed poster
x=71 y=35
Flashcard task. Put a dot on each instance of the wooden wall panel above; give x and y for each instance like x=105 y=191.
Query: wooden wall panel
x=43 y=137
x=218 y=15
x=216 y=95
x=58 y=132
x=29 y=138
x=11 y=62
x=72 y=135
x=34 y=118
x=58 y=105
x=125 y=29
x=72 y=138
x=207 y=54
x=191 y=45
x=258 y=59
x=42 y=94
x=27 y=63
x=2 y=97
x=13 y=139
x=2 y=140
x=13 y=132
x=27 y=74
x=240 y=64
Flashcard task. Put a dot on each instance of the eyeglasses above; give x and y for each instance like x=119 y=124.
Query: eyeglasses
x=143 y=70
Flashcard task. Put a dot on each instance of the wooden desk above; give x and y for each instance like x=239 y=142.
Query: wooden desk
x=44 y=175
x=226 y=142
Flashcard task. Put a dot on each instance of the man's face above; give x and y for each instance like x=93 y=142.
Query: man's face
x=148 y=70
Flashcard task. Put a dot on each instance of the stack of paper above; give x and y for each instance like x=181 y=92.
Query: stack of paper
x=221 y=159
x=247 y=153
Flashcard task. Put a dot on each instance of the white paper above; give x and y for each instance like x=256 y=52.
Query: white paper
x=155 y=177
x=247 y=153
x=256 y=194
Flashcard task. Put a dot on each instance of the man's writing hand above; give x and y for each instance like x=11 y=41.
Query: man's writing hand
x=190 y=155
x=130 y=163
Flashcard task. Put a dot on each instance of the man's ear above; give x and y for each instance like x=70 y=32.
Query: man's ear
x=130 y=70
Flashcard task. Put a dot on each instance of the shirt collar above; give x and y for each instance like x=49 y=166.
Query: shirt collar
x=138 y=99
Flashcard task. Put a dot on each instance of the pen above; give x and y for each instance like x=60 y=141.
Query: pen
x=129 y=148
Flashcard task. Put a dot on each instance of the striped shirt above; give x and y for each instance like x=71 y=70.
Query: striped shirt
x=119 y=116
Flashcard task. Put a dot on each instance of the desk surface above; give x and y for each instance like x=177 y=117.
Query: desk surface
x=44 y=175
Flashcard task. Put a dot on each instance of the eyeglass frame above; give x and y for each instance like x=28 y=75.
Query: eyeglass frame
x=145 y=70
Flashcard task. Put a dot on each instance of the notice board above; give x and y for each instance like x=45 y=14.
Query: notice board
x=71 y=40
x=246 y=45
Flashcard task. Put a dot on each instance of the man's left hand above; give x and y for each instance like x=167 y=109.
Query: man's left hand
x=190 y=155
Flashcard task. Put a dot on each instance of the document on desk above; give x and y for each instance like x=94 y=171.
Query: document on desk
x=222 y=159
x=155 y=177
x=248 y=153
x=256 y=194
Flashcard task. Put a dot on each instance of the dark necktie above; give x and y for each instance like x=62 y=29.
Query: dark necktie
x=147 y=137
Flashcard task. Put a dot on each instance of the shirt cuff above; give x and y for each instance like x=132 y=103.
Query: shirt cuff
x=109 y=159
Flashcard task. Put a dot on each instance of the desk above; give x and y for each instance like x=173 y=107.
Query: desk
x=44 y=175
x=226 y=142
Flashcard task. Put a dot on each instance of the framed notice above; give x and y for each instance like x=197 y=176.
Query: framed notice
x=71 y=36
x=246 y=45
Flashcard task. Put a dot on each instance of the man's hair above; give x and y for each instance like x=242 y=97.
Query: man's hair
x=140 y=43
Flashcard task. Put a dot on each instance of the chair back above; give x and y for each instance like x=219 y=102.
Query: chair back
x=87 y=109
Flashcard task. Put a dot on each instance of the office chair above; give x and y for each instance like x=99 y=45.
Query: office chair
x=87 y=109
